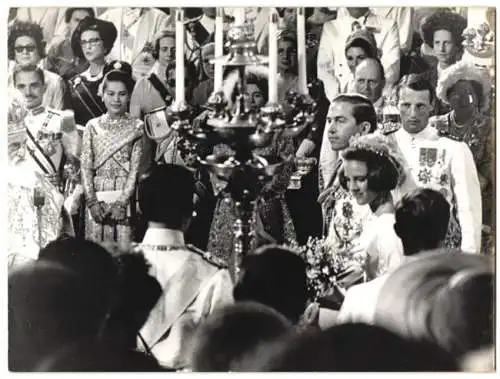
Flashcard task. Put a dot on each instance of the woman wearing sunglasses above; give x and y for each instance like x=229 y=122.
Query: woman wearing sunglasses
x=26 y=48
x=91 y=41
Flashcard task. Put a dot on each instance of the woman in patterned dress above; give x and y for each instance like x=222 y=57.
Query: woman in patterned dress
x=466 y=88
x=91 y=41
x=272 y=221
x=110 y=161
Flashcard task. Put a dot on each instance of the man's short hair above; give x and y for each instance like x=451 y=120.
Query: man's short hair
x=229 y=335
x=379 y=64
x=423 y=215
x=29 y=68
x=416 y=82
x=362 y=108
x=349 y=348
x=166 y=195
x=274 y=276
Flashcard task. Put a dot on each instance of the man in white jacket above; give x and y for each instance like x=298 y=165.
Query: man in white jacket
x=194 y=283
x=440 y=163
x=332 y=65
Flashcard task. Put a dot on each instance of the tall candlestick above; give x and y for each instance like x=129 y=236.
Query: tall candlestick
x=301 y=50
x=219 y=51
x=239 y=16
x=273 y=56
x=179 y=56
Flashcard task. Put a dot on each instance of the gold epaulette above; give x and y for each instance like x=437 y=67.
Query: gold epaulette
x=209 y=257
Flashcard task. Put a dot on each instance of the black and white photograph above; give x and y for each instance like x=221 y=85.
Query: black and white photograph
x=250 y=189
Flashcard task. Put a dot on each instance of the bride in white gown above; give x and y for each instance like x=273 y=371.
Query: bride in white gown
x=371 y=169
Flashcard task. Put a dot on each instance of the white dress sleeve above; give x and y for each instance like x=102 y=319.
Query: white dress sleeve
x=385 y=252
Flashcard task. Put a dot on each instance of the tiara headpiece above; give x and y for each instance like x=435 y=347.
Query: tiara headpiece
x=382 y=146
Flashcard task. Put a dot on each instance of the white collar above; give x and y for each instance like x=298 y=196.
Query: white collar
x=90 y=78
x=163 y=236
x=428 y=133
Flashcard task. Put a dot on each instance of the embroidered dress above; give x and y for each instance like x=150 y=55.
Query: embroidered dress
x=475 y=134
x=110 y=162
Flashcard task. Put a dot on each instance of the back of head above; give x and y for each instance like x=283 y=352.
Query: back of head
x=274 y=276
x=96 y=356
x=86 y=258
x=422 y=219
x=232 y=333
x=355 y=347
x=462 y=318
x=409 y=294
x=137 y=293
x=166 y=195
x=49 y=306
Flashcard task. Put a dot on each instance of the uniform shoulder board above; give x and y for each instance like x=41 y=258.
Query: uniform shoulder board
x=391 y=128
x=209 y=257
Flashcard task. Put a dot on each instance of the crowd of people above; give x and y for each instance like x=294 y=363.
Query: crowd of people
x=120 y=250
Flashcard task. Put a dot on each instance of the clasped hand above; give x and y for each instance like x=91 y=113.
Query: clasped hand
x=104 y=212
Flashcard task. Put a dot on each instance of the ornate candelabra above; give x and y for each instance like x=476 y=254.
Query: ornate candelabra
x=480 y=41
x=245 y=130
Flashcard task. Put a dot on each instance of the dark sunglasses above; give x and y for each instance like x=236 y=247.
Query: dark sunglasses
x=28 y=48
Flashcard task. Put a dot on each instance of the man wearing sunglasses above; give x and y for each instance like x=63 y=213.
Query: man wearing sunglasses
x=26 y=48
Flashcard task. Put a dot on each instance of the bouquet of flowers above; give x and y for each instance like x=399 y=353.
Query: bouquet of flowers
x=329 y=272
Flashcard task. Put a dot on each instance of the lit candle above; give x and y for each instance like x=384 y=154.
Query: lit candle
x=179 y=56
x=239 y=16
x=301 y=50
x=273 y=56
x=219 y=42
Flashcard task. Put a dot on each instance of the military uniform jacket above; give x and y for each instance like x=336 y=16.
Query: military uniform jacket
x=193 y=283
x=447 y=166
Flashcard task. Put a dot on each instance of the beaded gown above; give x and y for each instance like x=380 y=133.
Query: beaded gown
x=111 y=151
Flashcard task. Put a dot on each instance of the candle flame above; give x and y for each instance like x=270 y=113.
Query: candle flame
x=180 y=14
x=219 y=12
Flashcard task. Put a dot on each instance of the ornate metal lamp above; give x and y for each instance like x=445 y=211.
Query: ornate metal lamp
x=479 y=42
x=244 y=130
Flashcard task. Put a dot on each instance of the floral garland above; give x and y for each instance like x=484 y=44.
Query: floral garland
x=328 y=269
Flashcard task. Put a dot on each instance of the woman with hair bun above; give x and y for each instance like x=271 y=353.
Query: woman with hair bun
x=110 y=160
x=371 y=169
